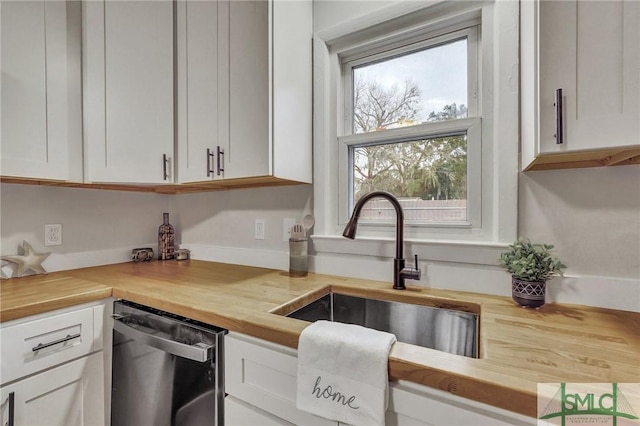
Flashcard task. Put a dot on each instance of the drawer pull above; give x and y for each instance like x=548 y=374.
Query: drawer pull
x=55 y=342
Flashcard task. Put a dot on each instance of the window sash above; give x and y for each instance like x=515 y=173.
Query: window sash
x=473 y=129
x=400 y=49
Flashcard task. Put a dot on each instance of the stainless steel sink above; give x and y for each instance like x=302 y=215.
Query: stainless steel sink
x=443 y=329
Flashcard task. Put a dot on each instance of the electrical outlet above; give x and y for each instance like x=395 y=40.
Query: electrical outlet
x=287 y=224
x=53 y=234
x=259 y=229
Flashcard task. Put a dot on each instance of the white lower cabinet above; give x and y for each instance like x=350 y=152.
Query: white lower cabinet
x=263 y=375
x=53 y=368
x=70 y=395
x=411 y=404
x=260 y=381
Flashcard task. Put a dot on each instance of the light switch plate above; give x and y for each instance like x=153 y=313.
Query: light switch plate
x=259 y=229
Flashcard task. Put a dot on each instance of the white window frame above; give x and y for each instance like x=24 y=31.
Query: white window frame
x=498 y=107
x=471 y=126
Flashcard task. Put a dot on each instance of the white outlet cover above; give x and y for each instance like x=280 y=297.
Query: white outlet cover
x=53 y=234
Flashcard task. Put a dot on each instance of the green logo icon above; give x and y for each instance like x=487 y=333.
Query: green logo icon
x=585 y=401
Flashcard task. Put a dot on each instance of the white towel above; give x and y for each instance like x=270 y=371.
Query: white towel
x=343 y=373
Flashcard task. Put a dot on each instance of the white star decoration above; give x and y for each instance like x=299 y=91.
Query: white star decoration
x=30 y=260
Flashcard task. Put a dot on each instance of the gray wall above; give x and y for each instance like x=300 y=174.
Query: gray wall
x=591 y=215
x=227 y=218
x=91 y=219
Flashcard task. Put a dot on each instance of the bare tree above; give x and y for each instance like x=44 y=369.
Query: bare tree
x=376 y=108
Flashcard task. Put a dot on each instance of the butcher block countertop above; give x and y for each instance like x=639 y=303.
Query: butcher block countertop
x=518 y=347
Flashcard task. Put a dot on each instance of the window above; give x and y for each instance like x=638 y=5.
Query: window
x=423 y=102
x=407 y=111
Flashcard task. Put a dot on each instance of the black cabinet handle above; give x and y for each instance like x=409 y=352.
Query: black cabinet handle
x=12 y=408
x=55 y=342
x=209 y=161
x=165 y=161
x=559 y=118
x=220 y=155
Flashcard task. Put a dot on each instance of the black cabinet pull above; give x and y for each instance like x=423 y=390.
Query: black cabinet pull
x=12 y=408
x=209 y=161
x=220 y=155
x=559 y=118
x=55 y=342
x=165 y=162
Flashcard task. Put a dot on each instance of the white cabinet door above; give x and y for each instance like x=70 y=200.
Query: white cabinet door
x=591 y=51
x=71 y=394
x=41 y=99
x=263 y=375
x=128 y=91
x=238 y=413
x=411 y=404
x=197 y=91
x=266 y=81
x=292 y=24
x=248 y=35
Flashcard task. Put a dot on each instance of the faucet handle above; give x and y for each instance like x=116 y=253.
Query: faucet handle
x=412 y=273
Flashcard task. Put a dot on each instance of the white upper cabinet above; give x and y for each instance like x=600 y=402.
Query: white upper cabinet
x=198 y=103
x=41 y=134
x=266 y=81
x=128 y=91
x=243 y=90
x=291 y=92
x=157 y=92
x=590 y=50
x=248 y=69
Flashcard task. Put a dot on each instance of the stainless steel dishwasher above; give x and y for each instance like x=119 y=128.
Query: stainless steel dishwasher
x=167 y=369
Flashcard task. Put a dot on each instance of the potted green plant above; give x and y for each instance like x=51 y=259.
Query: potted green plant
x=531 y=266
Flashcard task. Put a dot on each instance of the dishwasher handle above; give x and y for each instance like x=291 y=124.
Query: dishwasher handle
x=200 y=352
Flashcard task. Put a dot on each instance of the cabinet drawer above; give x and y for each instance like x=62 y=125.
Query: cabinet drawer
x=264 y=375
x=31 y=346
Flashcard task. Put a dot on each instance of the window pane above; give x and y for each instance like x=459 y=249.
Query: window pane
x=429 y=177
x=414 y=88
